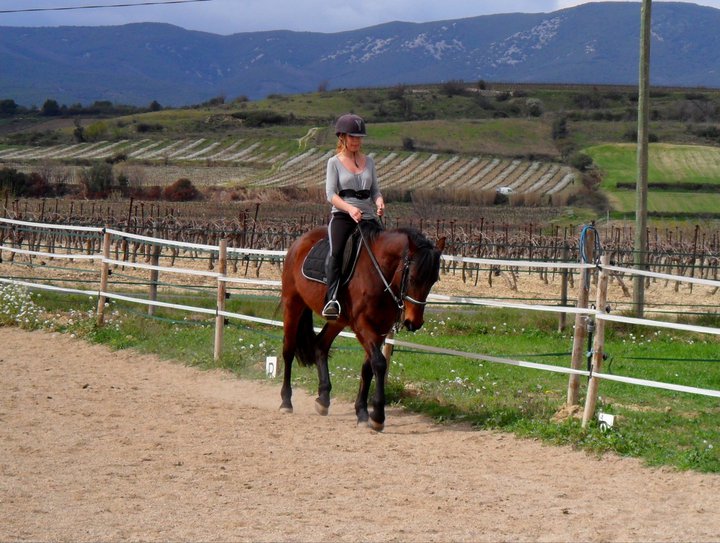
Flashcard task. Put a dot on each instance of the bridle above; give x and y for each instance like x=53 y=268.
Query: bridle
x=404 y=278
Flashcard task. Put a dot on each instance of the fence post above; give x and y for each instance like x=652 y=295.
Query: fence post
x=580 y=333
x=598 y=343
x=387 y=349
x=562 y=319
x=154 y=274
x=104 y=272
x=221 y=290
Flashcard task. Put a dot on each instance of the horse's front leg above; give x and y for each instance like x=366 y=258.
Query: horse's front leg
x=322 y=402
x=361 y=402
x=378 y=363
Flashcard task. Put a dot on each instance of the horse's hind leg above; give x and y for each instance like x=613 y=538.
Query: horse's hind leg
x=324 y=341
x=286 y=391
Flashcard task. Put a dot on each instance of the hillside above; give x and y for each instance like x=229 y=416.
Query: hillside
x=594 y=43
x=463 y=143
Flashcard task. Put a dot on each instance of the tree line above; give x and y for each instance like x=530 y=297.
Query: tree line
x=52 y=108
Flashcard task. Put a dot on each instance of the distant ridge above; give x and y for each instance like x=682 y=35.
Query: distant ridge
x=594 y=43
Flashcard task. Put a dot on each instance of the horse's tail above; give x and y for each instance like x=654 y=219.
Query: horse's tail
x=306 y=339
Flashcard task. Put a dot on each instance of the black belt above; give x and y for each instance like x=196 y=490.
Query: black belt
x=359 y=194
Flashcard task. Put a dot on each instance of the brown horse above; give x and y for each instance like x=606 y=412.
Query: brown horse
x=390 y=283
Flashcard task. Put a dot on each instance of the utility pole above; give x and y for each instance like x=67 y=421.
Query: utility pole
x=641 y=189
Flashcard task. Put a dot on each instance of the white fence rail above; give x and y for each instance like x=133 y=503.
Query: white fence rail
x=220 y=278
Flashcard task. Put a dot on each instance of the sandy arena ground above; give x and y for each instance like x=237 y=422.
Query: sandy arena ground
x=114 y=446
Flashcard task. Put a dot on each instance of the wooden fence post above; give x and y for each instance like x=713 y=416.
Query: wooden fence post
x=581 y=331
x=562 y=319
x=598 y=343
x=104 y=272
x=154 y=274
x=387 y=349
x=221 y=290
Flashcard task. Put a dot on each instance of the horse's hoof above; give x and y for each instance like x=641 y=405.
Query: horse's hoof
x=286 y=409
x=321 y=409
x=375 y=425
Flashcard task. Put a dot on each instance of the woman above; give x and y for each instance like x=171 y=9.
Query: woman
x=351 y=186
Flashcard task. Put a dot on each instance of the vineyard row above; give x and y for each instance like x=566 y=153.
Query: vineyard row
x=405 y=171
x=669 y=251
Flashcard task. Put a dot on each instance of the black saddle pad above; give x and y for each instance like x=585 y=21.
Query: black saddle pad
x=313 y=267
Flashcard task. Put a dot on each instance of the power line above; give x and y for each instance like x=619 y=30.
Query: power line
x=68 y=8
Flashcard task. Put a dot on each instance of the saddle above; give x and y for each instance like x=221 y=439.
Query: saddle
x=313 y=267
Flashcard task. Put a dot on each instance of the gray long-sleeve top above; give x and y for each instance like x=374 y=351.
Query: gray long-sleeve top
x=340 y=178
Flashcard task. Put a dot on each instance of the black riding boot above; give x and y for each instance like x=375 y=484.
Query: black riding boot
x=331 y=311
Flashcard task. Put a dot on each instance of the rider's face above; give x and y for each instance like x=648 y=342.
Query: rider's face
x=353 y=143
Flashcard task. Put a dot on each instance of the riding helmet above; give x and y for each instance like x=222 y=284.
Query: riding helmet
x=350 y=124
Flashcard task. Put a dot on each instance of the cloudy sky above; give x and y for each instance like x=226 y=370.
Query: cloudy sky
x=231 y=16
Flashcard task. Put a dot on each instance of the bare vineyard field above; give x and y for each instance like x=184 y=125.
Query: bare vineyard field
x=686 y=252
x=527 y=285
x=243 y=162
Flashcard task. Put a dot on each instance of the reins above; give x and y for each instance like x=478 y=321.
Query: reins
x=399 y=300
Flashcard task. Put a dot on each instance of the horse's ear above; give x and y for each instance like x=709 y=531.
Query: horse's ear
x=440 y=245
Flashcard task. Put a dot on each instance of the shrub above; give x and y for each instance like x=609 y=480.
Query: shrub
x=148 y=127
x=590 y=198
x=153 y=192
x=256 y=119
x=97 y=181
x=78 y=131
x=37 y=186
x=710 y=132
x=559 y=128
x=96 y=131
x=580 y=161
x=8 y=107
x=534 y=107
x=13 y=181
x=408 y=144
x=50 y=108
x=454 y=87
x=181 y=190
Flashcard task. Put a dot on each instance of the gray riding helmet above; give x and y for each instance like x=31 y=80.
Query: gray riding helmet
x=350 y=124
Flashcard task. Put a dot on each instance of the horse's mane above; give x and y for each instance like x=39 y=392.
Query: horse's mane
x=426 y=258
x=370 y=230
x=416 y=237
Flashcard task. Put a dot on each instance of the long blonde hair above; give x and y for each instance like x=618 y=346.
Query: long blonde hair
x=341 y=143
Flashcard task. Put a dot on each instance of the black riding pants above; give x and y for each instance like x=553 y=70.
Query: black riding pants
x=340 y=228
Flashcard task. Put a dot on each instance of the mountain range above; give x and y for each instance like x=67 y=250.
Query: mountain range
x=595 y=43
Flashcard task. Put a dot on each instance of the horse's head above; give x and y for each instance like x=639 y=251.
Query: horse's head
x=423 y=272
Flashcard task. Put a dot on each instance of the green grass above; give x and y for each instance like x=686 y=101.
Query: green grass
x=514 y=137
x=675 y=165
x=660 y=427
x=667 y=163
x=679 y=203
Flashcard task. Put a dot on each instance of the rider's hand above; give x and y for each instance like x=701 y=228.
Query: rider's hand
x=356 y=214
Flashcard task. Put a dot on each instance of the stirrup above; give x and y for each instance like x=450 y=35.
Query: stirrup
x=331 y=311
